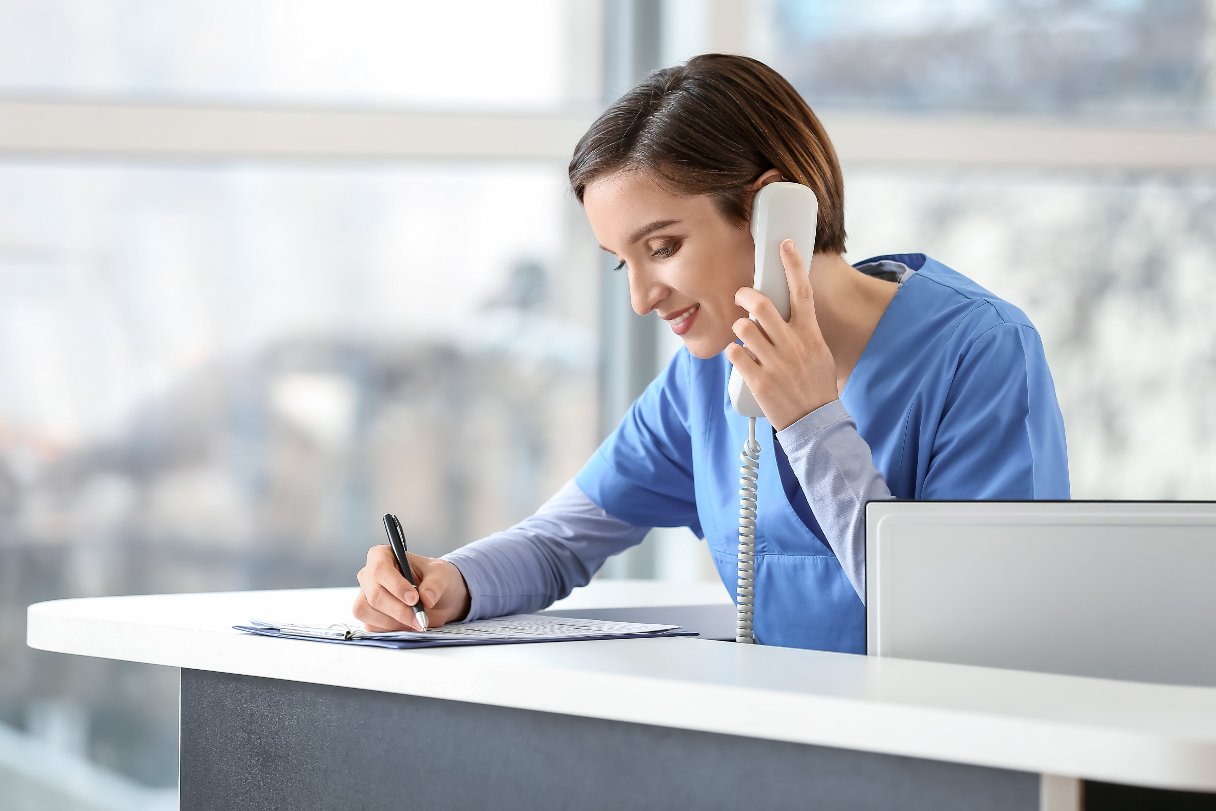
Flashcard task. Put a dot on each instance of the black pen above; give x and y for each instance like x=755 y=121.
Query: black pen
x=396 y=539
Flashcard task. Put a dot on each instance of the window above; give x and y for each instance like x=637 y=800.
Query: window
x=225 y=363
x=1107 y=60
x=1060 y=153
x=375 y=53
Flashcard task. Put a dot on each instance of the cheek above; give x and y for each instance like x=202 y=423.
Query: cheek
x=713 y=276
x=736 y=260
x=745 y=262
x=740 y=273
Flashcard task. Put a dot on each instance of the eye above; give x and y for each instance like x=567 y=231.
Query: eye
x=665 y=251
x=619 y=265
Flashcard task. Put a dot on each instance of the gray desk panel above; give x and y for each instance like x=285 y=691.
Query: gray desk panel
x=254 y=743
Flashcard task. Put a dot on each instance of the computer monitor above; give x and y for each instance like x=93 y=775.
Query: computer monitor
x=1114 y=589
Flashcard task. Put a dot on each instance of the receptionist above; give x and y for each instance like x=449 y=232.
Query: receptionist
x=895 y=377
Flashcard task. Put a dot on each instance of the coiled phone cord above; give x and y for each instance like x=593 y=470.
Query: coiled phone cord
x=745 y=589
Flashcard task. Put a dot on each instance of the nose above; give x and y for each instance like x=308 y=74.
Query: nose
x=645 y=291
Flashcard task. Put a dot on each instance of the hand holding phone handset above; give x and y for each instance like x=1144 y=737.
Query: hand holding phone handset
x=780 y=211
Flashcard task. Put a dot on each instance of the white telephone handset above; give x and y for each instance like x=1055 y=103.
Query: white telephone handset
x=780 y=211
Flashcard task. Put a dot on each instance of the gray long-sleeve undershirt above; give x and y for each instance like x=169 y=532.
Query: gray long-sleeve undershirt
x=558 y=548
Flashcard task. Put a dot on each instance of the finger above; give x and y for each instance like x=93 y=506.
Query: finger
x=375 y=621
x=750 y=333
x=755 y=342
x=385 y=601
x=762 y=309
x=743 y=360
x=383 y=569
x=428 y=573
x=749 y=298
x=802 y=297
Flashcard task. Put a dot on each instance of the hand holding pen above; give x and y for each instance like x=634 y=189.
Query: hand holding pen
x=402 y=591
x=396 y=540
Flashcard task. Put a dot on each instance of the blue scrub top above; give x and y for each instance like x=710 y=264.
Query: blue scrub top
x=952 y=394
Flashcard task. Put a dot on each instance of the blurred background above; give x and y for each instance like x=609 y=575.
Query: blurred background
x=270 y=269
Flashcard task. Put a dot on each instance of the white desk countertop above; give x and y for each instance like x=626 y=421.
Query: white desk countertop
x=1140 y=734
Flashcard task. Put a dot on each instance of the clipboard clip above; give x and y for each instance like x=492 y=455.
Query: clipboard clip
x=335 y=631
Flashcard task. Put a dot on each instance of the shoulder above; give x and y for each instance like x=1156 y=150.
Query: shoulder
x=991 y=336
x=985 y=308
x=962 y=310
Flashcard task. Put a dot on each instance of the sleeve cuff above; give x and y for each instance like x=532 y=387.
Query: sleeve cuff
x=801 y=433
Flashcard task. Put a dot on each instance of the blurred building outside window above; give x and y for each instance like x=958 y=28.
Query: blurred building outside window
x=270 y=272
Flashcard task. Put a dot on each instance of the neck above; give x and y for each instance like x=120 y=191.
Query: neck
x=848 y=306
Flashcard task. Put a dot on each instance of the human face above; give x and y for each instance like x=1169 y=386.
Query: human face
x=685 y=261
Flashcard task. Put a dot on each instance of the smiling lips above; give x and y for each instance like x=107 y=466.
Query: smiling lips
x=681 y=322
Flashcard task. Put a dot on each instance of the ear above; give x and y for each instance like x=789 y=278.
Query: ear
x=770 y=176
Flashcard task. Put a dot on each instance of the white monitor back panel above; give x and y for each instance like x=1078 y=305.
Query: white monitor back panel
x=1122 y=590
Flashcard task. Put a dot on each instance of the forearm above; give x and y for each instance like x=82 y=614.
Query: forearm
x=542 y=558
x=836 y=469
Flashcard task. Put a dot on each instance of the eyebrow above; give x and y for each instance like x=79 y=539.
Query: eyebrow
x=645 y=230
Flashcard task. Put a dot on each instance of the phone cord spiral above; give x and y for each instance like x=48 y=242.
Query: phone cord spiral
x=745 y=589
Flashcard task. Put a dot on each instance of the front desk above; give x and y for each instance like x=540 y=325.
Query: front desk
x=656 y=723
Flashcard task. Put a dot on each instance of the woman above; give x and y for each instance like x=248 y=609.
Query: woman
x=897 y=378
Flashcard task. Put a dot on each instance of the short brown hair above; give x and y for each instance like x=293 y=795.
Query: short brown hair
x=712 y=126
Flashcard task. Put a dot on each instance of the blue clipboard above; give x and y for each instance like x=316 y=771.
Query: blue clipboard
x=342 y=634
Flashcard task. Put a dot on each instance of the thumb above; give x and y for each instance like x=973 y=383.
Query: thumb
x=431 y=584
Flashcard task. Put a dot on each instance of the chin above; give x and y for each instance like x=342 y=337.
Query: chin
x=706 y=349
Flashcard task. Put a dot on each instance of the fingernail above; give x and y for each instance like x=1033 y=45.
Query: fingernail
x=410 y=597
x=788 y=246
x=428 y=598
